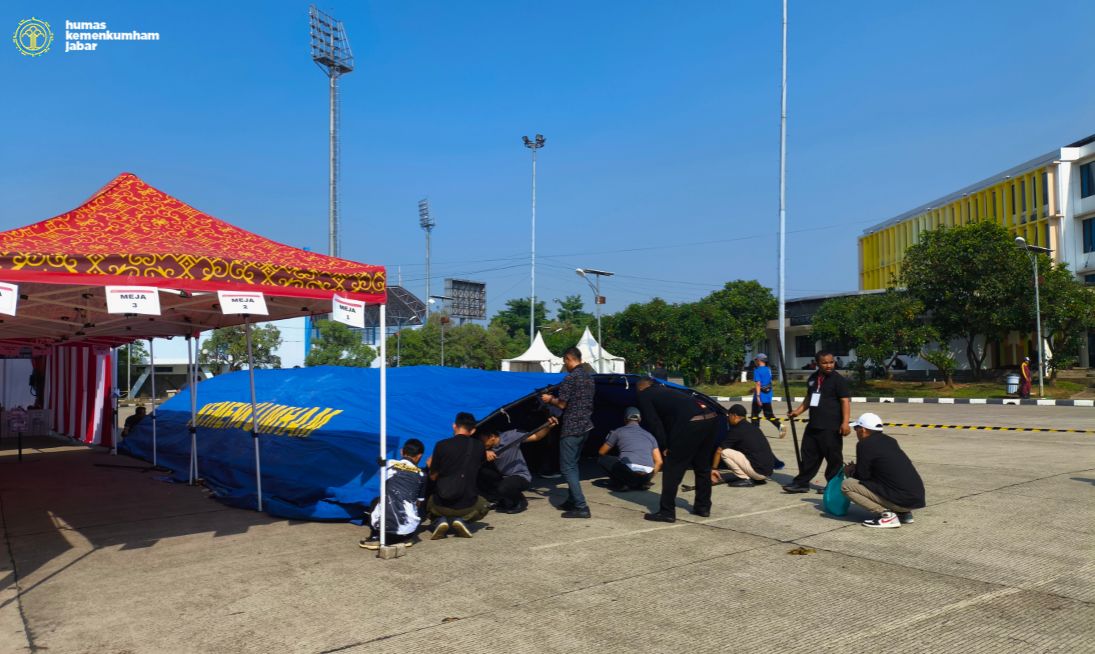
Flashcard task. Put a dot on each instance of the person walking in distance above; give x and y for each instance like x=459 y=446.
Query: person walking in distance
x=762 y=393
x=830 y=405
x=1024 y=378
x=576 y=400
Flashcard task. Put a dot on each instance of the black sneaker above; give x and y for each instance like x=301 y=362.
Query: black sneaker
x=703 y=513
x=576 y=513
x=791 y=488
x=741 y=483
x=905 y=518
x=461 y=529
x=440 y=529
x=659 y=517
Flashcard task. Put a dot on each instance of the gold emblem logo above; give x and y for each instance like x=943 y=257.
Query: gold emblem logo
x=33 y=37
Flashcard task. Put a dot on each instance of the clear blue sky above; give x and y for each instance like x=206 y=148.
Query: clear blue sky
x=661 y=122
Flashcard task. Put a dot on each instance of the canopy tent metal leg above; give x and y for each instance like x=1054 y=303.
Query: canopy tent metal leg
x=114 y=401
x=192 y=379
x=152 y=369
x=383 y=425
x=194 y=409
x=254 y=414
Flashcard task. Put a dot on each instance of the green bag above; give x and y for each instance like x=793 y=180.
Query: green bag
x=833 y=500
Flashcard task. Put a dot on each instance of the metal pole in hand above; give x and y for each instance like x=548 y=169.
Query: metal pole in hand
x=787 y=398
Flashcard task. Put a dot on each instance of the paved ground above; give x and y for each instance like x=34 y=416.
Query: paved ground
x=104 y=559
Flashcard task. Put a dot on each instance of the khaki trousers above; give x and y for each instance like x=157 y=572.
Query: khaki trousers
x=739 y=465
x=868 y=499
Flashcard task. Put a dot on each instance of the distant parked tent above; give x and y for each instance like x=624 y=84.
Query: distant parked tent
x=538 y=358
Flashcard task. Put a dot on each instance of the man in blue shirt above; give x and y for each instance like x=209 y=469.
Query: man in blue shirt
x=762 y=393
x=639 y=458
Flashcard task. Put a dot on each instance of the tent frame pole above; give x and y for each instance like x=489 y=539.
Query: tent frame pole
x=192 y=426
x=384 y=426
x=152 y=376
x=254 y=412
x=114 y=400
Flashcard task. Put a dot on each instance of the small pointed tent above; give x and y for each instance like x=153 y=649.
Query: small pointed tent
x=538 y=358
x=596 y=356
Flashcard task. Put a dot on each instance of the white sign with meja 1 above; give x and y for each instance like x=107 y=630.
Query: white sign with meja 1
x=351 y=312
x=144 y=300
x=9 y=296
x=245 y=302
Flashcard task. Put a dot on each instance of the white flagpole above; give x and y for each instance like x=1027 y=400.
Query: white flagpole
x=152 y=376
x=114 y=399
x=193 y=410
x=383 y=424
x=254 y=413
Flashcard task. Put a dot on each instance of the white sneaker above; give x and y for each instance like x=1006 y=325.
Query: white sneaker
x=783 y=430
x=887 y=520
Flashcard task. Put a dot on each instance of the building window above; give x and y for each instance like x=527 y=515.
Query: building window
x=1089 y=235
x=804 y=346
x=1089 y=280
x=1087 y=180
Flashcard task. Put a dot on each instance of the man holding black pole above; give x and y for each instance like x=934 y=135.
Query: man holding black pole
x=830 y=405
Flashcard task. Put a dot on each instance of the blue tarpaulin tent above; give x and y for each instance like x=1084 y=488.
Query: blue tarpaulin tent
x=319 y=430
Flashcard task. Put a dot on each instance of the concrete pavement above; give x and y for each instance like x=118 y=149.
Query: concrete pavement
x=107 y=559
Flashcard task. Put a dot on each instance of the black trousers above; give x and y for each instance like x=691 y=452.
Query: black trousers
x=691 y=445
x=504 y=489
x=770 y=415
x=621 y=474
x=817 y=445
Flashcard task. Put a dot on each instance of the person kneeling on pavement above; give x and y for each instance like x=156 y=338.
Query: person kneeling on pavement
x=639 y=457
x=454 y=470
x=883 y=480
x=506 y=474
x=405 y=492
x=745 y=451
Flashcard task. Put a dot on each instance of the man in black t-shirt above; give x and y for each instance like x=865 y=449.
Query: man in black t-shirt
x=454 y=469
x=830 y=406
x=883 y=480
x=745 y=451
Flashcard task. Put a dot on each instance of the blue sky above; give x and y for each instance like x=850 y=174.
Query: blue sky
x=661 y=120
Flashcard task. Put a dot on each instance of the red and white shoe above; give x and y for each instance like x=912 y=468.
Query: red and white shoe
x=886 y=520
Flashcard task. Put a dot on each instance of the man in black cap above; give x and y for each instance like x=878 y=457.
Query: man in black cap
x=830 y=405
x=745 y=451
x=685 y=429
x=639 y=458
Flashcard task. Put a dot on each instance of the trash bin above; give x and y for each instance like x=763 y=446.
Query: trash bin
x=1013 y=384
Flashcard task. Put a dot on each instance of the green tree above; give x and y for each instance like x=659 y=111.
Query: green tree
x=139 y=354
x=643 y=333
x=514 y=318
x=466 y=346
x=1068 y=312
x=339 y=345
x=716 y=330
x=572 y=312
x=969 y=281
x=878 y=325
x=228 y=346
x=945 y=361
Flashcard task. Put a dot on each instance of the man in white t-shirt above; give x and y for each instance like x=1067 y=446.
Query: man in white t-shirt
x=639 y=457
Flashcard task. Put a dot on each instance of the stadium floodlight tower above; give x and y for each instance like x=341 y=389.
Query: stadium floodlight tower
x=427 y=224
x=533 y=145
x=331 y=52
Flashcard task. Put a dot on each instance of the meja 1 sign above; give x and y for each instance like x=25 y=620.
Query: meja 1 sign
x=133 y=299
x=351 y=312
x=245 y=302
x=9 y=296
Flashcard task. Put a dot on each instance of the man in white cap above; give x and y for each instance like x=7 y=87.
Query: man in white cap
x=883 y=480
x=639 y=458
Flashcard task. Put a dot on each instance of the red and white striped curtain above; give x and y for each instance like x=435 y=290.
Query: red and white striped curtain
x=78 y=387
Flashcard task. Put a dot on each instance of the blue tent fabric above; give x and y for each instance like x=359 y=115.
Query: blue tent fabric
x=330 y=473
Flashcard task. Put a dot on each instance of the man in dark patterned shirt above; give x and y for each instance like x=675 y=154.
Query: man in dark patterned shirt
x=576 y=400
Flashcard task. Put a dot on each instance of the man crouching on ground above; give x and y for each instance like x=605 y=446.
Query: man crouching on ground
x=884 y=480
x=505 y=475
x=454 y=469
x=639 y=458
x=405 y=494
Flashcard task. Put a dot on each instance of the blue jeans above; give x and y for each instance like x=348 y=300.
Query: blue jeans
x=570 y=450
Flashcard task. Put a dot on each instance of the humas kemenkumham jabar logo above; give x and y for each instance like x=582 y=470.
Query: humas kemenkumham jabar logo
x=33 y=37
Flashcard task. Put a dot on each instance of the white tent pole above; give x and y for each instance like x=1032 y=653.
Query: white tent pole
x=190 y=385
x=114 y=399
x=383 y=424
x=194 y=409
x=152 y=375
x=254 y=412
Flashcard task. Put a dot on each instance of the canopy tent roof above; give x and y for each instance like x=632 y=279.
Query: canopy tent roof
x=539 y=353
x=591 y=350
x=131 y=234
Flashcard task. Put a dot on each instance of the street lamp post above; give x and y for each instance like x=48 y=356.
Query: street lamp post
x=584 y=273
x=441 y=321
x=533 y=145
x=1031 y=250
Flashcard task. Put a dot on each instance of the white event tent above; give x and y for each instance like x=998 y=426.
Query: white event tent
x=538 y=358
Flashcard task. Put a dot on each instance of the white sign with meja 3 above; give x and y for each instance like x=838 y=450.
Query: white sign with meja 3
x=143 y=300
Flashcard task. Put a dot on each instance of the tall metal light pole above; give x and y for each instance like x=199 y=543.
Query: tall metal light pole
x=783 y=188
x=533 y=145
x=427 y=224
x=1031 y=249
x=331 y=52
x=598 y=299
x=441 y=321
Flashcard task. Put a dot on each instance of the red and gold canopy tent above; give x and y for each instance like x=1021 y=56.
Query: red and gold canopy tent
x=130 y=233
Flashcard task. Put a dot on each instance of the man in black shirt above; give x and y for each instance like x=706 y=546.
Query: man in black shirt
x=883 y=480
x=830 y=405
x=454 y=469
x=686 y=431
x=745 y=451
x=576 y=400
